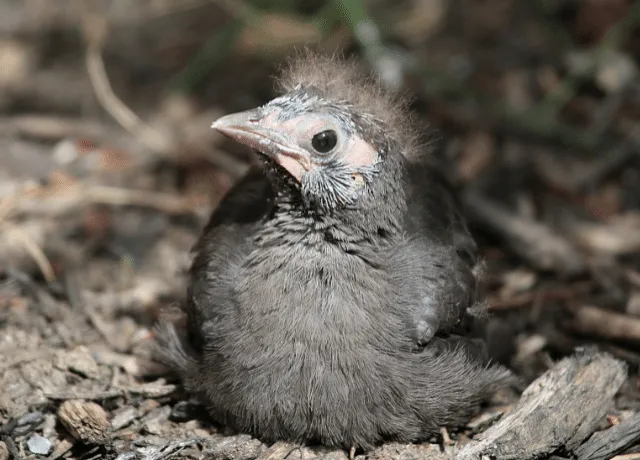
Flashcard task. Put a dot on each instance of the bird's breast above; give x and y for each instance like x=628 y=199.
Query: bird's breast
x=311 y=333
x=317 y=298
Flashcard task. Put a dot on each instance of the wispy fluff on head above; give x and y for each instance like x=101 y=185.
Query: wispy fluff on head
x=343 y=81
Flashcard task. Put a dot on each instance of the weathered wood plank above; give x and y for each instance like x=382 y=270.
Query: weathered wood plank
x=558 y=410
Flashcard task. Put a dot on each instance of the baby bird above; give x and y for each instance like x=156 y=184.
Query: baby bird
x=328 y=286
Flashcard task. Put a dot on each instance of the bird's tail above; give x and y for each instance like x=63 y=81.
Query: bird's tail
x=173 y=350
x=459 y=379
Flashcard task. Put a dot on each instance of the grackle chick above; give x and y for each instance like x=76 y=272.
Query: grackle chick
x=329 y=288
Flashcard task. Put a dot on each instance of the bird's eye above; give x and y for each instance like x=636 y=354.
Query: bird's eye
x=325 y=141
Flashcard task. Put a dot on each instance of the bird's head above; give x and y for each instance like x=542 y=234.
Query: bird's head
x=331 y=133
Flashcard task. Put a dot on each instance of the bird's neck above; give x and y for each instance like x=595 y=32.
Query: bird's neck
x=375 y=220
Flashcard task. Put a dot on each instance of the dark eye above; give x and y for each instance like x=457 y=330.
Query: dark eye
x=325 y=141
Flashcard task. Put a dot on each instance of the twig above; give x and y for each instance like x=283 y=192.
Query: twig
x=51 y=202
x=53 y=127
x=151 y=390
x=606 y=324
x=95 y=32
x=622 y=353
x=6 y=206
x=84 y=394
x=171 y=448
x=547 y=295
x=34 y=250
x=105 y=330
x=129 y=197
x=533 y=241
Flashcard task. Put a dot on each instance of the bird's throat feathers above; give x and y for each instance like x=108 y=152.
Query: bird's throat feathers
x=373 y=220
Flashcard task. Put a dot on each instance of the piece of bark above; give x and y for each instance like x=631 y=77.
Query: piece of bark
x=396 y=451
x=605 y=444
x=317 y=453
x=239 y=447
x=123 y=417
x=168 y=450
x=278 y=450
x=536 y=243
x=86 y=421
x=558 y=410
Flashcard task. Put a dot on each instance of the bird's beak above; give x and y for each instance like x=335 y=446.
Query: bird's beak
x=259 y=131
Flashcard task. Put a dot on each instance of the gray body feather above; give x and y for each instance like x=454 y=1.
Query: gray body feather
x=305 y=328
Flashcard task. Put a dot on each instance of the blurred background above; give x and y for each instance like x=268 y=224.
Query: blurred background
x=109 y=168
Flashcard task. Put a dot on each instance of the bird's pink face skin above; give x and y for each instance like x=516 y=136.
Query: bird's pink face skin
x=294 y=143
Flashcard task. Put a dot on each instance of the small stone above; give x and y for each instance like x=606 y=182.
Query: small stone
x=39 y=445
x=85 y=421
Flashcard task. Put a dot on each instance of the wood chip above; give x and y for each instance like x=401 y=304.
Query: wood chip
x=605 y=444
x=406 y=451
x=85 y=420
x=80 y=361
x=560 y=408
x=278 y=451
x=317 y=453
x=239 y=447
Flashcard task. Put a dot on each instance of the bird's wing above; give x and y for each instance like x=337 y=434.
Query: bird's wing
x=435 y=211
x=225 y=238
x=436 y=223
